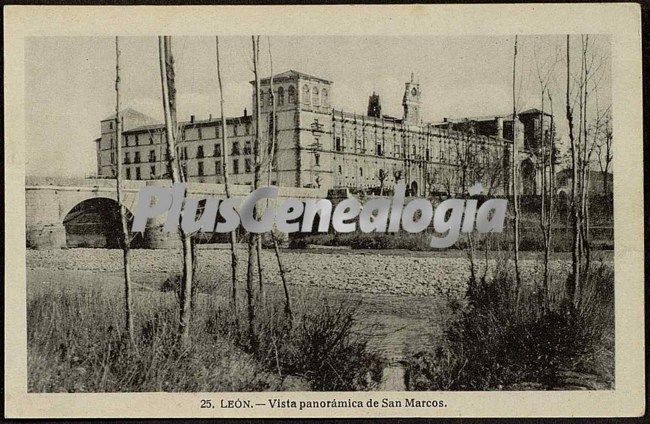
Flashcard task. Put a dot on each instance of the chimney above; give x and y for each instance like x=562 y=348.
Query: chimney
x=210 y=118
x=191 y=119
x=245 y=113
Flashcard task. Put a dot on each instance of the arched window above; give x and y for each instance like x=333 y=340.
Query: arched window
x=280 y=101
x=325 y=100
x=305 y=93
x=292 y=95
x=361 y=172
x=315 y=99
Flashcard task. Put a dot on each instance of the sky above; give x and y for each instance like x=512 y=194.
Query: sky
x=70 y=81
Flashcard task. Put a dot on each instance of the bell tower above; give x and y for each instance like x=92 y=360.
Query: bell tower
x=411 y=102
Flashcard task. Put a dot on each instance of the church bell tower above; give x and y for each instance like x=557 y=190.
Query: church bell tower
x=411 y=102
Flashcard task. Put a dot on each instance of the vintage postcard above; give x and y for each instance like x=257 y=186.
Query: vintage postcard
x=324 y=211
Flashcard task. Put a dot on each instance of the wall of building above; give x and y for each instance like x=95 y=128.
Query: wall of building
x=318 y=146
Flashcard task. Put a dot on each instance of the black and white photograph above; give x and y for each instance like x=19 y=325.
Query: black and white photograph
x=319 y=310
x=271 y=214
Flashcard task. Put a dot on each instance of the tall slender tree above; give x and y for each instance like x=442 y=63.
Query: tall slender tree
x=126 y=252
x=226 y=172
x=604 y=151
x=515 y=172
x=574 y=281
x=256 y=180
x=551 y=196
x=287 y=298
x=169 y=106
x=545 y=69
x=258 y=165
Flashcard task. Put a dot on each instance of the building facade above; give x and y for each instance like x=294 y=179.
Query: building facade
x=318 y=145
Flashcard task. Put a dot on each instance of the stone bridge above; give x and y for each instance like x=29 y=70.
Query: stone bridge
x=71 y=212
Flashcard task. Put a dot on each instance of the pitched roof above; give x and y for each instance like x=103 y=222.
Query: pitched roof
x=293 y=74
x=213 y=121
x=532 y=111
x=131 y=118
x=130 y=113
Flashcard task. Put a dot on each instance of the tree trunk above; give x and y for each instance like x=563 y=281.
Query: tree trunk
x=258 y=255
x=584 y=222
x=544 y=221
x=256 y=180
x=126 y=253
x=226 y=171
x=169 y=106
x=551 y=194
x=515 y=180
x=258 y=167
x=287 y=299
x=573 y=288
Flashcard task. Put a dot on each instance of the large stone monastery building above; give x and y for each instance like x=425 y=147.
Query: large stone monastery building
x=321 y=146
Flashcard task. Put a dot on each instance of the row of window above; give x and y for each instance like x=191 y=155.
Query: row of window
x=267 y=97
x=314 y=97
x=218 y=169
x=139 y=139
x=339 y=147
x=184 y=153
x=309 y=96
x=247 y=151
x=200 y=170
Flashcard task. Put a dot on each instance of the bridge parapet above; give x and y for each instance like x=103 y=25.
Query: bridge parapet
x=49 y=200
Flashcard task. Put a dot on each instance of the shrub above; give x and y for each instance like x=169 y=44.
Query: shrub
x=493 y=344
x=321 y=347
x=280 y=237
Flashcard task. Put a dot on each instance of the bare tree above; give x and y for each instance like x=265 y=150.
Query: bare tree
x=545 y=72
x=515 y=179
x=604 y=151
x=465 y=158
x=226 y=171
x=126 y=253
x=179 y=141
x=573 y=283
x=381 y=175
x=287 y=298
x=397 y=175
x=551 y=198
x=493 y=171
x=584 y=145
x=169 y=106
x=256 y=180
x=258 y=165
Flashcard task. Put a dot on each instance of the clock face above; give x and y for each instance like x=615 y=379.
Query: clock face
x=414 y=91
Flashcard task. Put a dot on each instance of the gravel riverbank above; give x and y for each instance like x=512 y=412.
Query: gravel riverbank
x=364 y=272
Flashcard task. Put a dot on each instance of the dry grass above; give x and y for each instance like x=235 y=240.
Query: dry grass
x=75 y=344
x=493 y=344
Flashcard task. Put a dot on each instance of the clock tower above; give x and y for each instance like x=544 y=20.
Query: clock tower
x=411 y=102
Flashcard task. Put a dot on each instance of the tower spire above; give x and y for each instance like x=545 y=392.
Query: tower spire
x=411 y=101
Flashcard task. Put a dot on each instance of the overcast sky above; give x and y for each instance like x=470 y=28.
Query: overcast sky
x=70 y=81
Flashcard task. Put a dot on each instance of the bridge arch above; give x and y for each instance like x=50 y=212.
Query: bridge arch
x=95 y=222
